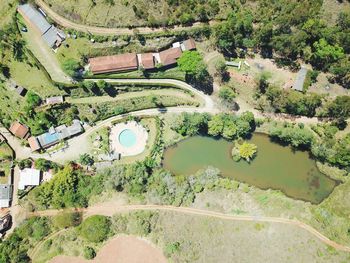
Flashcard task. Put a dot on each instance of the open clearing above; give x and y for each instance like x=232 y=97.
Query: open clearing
x=123 y=249
x=182 y=239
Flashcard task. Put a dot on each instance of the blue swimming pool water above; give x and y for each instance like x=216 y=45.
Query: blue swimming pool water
x=127 y=138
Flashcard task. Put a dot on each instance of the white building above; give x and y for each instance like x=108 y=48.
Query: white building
x=28 y=177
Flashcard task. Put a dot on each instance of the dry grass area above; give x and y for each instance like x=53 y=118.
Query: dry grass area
x=122 y=249
x=331 y=8
x=101 y=14
x=185 y=238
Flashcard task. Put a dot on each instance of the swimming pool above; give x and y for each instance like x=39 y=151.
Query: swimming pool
x=127 y=138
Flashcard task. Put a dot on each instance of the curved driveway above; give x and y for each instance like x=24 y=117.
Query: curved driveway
x=105 y=30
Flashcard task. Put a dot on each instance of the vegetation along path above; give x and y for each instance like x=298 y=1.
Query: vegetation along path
x=110 y=208
x=108 y=31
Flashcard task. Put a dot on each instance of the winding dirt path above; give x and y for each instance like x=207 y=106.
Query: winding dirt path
x=111 y=208
x=110 y=31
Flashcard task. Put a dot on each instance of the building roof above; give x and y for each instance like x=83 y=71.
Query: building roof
x=28 y=177
x=34 y=17
x=19 y=129
x=147 y=61
x=189 y=44
x=48 y=139
x=299 y=81
x=55 y=134
x=114 y=63
x=50 y=36
x=34 y=144
x=20 y=90
x=54 y=100
x=5 y=195
x=2 y=138
x=169 y=56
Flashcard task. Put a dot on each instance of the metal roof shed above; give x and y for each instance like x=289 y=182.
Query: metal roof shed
x=34 y=17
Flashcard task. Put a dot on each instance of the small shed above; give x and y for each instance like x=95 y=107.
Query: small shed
x=299 y=81
x=5 y=195
x=54 y=100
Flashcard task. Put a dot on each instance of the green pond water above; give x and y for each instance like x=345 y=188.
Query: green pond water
x=275 y=166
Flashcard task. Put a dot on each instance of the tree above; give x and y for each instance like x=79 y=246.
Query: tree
x=95 y=228
x=226 y=94
x=86 y=159
x=33 y=99
x=44 y=165
x=66 y=219
x=221 y=70
x=247 y=151
x=340 y=107
x=191 y=62
x=70 y=66
x=325 y=54
x=215 y=125
x=89 y=253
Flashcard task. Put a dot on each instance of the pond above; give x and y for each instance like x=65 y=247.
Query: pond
x=275 y=166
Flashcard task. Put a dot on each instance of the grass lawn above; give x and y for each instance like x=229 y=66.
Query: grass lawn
x=32 y=78
x=7 y=8
x=6 y=156
x=10 y=104
x=43 y=53
x=90 y=111
x=103 y=143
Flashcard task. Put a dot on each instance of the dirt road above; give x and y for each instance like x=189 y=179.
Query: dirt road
x=111 y=208
x=110 y=31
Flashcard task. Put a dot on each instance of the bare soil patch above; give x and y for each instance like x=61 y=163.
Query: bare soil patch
x=122 y=249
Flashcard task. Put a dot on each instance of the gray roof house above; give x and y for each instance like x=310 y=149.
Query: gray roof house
x=299 y=81
x=34 y=17
x=5 y=195
x=50 y=34
x=56 y=134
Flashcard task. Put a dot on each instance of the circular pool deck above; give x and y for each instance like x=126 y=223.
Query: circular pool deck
x=128 y=138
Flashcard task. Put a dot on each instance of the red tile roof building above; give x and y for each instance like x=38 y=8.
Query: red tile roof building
x=168 y=57
x=34 y=144
x=19 y=130
x=147 y=61
x=123 y=62
x=189 y=44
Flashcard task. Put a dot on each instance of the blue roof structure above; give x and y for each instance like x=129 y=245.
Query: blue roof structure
x=48 y=139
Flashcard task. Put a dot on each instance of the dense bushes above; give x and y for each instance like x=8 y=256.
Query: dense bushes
x=294 y=135
x=95 y=228
x=225 y=125
x=67 y=188
x=14 y=249
x=325 y=147
x=293 y=102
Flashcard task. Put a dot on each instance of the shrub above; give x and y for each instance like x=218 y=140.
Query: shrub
x=89 y=253
x=66 y=219
x=95 y=228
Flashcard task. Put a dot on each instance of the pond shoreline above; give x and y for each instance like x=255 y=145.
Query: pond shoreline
x=308 y=183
